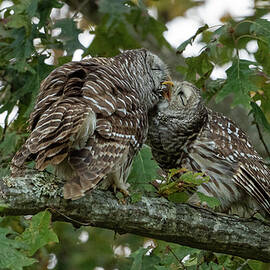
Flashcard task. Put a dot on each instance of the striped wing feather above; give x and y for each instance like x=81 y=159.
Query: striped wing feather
x=246 y=167
x=84 y=122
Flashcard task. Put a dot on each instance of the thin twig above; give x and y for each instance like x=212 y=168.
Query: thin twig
x=243 y=265
x=180 y=262
x=69 y=218
x=262 y=140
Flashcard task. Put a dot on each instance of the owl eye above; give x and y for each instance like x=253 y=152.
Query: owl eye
x=181 y=93
x=182 y=97
x=156 y=68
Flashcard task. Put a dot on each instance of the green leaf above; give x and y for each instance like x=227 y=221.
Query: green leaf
x=182 y=47
x=220 y=45
x=261 y=28
x=44 y=10
x=105 y=43
x=178 y=197
x=259 y=116
x=182 y=251
x=168 y=253
x=191 y=261
x=119 y=195
x=9 y=144
x=149 y=261
x=158 y=267
x=194 y=178
x=144 y=170
x=3 y=206
x=18 y=21
x=199 y=65
x=212 y=202
x=39 y=232
x=211 y=266
x=116 y=9
x=212 y=88
x=12 y=252
x=138 y=258
x=32 y=8
x=239 y=81
x=255 y=265
x=69 y=34
x=136 y=197
x=262 y=55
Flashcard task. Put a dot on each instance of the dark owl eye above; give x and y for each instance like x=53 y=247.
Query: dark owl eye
x=156 y=68
x=182 y=97
x=181 y=93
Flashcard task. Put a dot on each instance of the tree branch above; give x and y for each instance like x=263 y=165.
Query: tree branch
x=151 y=217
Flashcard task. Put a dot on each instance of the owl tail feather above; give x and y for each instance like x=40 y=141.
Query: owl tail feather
x=18 y=160
x=76 y=187
x=73 y=190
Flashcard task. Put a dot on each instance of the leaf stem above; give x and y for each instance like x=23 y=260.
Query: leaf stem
x=250 y=36
x=262 y=139
x=180 y=262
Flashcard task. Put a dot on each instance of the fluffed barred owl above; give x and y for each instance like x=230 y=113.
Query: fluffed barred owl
x=184 y=133
x=90 y=119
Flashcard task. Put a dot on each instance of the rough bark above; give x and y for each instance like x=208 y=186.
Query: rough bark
x=151 y=217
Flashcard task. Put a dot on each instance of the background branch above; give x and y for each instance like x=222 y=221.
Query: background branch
x=151 y=217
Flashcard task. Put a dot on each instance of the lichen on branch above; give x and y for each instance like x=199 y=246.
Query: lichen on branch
x=152 y=217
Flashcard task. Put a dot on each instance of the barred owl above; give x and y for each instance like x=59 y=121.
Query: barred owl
x=90 y=119
x=183 y=133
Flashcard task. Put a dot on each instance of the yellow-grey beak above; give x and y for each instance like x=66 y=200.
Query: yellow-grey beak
x=168 y=92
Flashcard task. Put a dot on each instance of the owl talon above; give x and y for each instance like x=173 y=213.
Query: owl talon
x=125 y=192
x=123 y=189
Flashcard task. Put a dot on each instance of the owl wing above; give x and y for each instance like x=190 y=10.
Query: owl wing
x=250 y=171
x=59 y=114
x=109 y=152
x=88 y=114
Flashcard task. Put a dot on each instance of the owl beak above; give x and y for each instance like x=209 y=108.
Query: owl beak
x=167 y=93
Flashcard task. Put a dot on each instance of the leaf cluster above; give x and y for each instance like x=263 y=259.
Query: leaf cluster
x=247 y=80
x=164 y=256
x=124 y=25
x=181 y=184
x=25 y=36
x=16 y=249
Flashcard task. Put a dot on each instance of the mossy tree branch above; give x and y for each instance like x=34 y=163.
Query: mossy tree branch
x=151 y=217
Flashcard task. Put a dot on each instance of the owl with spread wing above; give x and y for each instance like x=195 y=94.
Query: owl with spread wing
x=91 y=118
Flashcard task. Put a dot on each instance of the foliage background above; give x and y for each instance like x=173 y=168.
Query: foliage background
x=29 y=34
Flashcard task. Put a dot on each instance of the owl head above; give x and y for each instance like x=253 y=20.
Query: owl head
x=184 y=97
x=147 y=74
x=159 y=73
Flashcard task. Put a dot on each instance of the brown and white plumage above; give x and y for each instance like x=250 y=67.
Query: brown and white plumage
x=90 y=119
x=185 y=133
